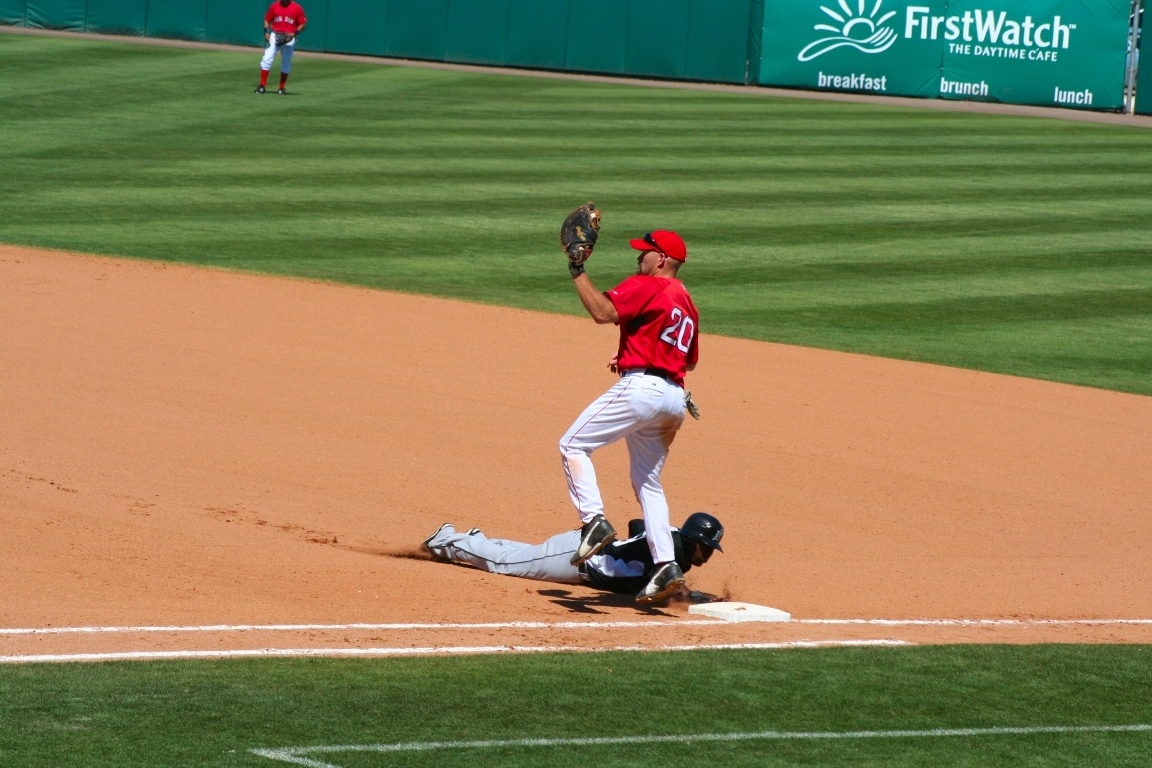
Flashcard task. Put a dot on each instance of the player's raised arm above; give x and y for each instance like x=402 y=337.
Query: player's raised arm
x=577 y=237
x=599 y=307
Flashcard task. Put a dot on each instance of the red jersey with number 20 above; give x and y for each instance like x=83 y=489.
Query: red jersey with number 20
x=658 y=325
x=285 y=18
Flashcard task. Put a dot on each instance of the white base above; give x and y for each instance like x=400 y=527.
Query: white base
x=739 y=612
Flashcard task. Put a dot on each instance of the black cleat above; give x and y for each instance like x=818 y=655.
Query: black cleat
x=259 y=89
x=594 y=536
x=667 y=579
x=281 y=91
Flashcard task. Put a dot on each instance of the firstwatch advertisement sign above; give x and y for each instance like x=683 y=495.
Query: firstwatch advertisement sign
x=1067 y=53
x=849 y=45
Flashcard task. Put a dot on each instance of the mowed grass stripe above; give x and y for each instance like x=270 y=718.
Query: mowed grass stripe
x=298 y=755
x=212 y=713
x=1005 y=244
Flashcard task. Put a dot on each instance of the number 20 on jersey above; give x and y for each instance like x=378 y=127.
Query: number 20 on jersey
x=679 y=333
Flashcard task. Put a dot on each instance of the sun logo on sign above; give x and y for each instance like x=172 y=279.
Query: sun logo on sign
x=864 y=33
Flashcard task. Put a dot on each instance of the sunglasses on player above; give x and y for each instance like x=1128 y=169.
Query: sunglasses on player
x=652 y=242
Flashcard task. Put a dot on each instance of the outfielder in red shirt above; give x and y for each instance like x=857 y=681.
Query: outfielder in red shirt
x=659 y=325
x=284 y=20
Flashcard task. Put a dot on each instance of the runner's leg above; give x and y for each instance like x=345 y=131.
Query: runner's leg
x=544 y=562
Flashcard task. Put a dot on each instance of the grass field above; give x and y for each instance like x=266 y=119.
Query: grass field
x=214 y=713
x=1003 y=244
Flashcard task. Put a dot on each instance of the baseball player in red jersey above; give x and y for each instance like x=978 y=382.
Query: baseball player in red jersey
x=658 y=345
x=284 y=20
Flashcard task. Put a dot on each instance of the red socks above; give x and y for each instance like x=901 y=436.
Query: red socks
x=264 y=78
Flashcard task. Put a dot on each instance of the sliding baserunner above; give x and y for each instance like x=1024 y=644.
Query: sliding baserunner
x=623 y=566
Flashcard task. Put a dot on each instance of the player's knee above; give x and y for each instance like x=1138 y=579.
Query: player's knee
x=643 y=475
x=645 y=481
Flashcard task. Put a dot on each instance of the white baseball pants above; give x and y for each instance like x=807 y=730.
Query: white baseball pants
x=646 y=411
x=285 y=54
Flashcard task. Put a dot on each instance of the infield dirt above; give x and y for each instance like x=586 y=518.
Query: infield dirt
x=193 y=446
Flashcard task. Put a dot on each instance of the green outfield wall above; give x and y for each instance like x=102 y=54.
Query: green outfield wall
x=854 y=45
x=683 y=39
x=1064 y=53
x=1068 y=53
x=1144 y=105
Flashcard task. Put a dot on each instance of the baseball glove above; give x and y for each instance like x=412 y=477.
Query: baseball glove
x=578 y=236
x=690 y=404
x=283 y=38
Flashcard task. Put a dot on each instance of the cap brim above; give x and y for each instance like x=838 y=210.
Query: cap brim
x=644 y=245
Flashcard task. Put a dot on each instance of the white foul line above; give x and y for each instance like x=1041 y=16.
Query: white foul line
x=296 y=754
x=974 y=622
x=562 y=625
x=377 y=627
x=427 y=651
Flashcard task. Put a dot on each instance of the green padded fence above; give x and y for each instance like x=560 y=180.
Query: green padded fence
x=850 y=45
x=417 y=30
x=117 y=17
x=355 y=26
x=716 y=33
x=1068 y=53
x=57 y=14
x=239 y=22
x=313 y=39
x=693 y=39
x=1072 y=55
x=1144 y=74
x=13 y=12
x=534 y=39
x=477 y=31
x=179 y=19
x=604 y=49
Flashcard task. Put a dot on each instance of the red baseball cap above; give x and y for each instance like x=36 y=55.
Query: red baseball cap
x=668 y=243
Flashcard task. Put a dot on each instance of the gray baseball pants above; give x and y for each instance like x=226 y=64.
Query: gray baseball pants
x=545 y=562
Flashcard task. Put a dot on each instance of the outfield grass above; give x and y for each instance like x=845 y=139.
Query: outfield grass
x=1016 y=245
x=213 y=713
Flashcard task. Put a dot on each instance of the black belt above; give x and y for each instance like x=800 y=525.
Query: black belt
x=660 y=372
